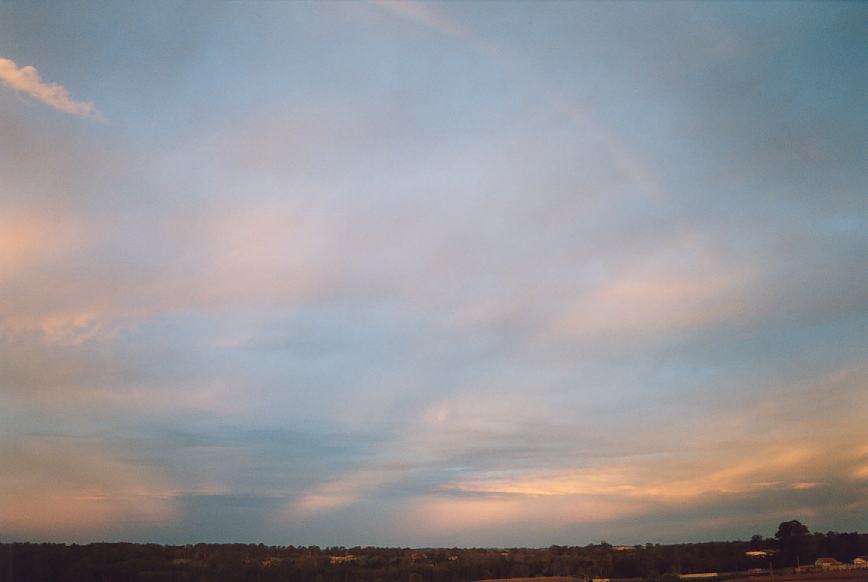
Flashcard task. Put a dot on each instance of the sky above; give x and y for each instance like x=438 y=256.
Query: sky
x=432 y=274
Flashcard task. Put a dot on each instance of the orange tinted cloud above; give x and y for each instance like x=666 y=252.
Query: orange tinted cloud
x=27 y=80
x=30 y=244
x=26 y=239
x=629 y=487
x=679 y=285
x=449 y=513
x=55 y=486
x=340 y=492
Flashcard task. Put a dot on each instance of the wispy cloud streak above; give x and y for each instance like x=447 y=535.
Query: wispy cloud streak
x=423 y=15
x=27 y=80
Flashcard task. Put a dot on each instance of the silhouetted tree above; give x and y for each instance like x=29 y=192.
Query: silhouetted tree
x=792 y=537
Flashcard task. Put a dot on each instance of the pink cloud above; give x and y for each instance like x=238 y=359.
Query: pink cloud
x=681 y=284
x=56 y=486
x=27 y=80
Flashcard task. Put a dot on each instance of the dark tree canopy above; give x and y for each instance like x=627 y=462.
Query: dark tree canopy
x=791 y=530
x=119 y=562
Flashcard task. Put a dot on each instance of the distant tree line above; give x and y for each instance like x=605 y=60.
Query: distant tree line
x=125 y=562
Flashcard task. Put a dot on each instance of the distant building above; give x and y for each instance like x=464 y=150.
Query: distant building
x=757 y=554
x=624 y=548
x=860 y=562
x=828 y=564
x=342 y=559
